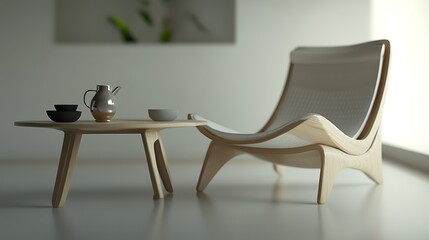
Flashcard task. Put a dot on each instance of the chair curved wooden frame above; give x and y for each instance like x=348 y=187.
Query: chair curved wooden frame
x=312 y=140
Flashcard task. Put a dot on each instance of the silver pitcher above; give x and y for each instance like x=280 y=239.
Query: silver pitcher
x=102 y=106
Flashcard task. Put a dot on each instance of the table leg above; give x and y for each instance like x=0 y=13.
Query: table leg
x=149 y=138
x=157 y=162
x=65 y=168
x=162 y=163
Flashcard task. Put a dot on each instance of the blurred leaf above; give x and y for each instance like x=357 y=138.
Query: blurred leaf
x=198 y=24
x=147 y=18
x=123 y=28
x=166 y=35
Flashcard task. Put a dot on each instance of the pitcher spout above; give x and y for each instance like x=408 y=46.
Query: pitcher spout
x=114 y=91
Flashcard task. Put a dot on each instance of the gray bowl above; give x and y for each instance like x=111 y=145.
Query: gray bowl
x=163 y=114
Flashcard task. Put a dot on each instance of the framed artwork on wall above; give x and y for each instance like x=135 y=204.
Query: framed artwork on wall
x=145 y=21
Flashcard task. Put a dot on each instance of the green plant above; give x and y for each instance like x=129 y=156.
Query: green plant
x=167 y=31
x=123 y=28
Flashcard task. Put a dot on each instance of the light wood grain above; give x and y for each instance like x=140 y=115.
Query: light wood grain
x=112 y=127
x=152 y=142
x=149 y=138
x=217 y=155
x=333 y=161
x=162 y=163
x=66 y=166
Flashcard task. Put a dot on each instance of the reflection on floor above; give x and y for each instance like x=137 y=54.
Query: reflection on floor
x=244 y=201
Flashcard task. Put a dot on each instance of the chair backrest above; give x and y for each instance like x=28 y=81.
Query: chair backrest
x=344 y=84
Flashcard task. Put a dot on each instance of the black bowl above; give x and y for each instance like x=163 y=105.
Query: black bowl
x=65 y=107
x=57 y=116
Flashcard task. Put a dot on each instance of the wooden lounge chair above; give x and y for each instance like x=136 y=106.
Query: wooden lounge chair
x=328 y=117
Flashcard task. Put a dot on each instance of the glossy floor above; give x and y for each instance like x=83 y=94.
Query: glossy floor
x=245 y=201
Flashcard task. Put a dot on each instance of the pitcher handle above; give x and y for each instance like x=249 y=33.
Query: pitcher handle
x=84 y=97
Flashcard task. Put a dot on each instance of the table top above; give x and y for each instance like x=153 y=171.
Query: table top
x=125 y=125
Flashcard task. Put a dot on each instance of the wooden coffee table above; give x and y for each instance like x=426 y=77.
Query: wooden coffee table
x=149 y=130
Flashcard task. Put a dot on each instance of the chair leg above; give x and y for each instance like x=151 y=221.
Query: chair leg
x=333 y=160
x=217 y=155
x=279 y=169
x=369 y=163
x=330 y=166
x=373 y=165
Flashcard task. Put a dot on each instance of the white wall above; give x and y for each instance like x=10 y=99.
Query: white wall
x=405 y=24
x=235 y=84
